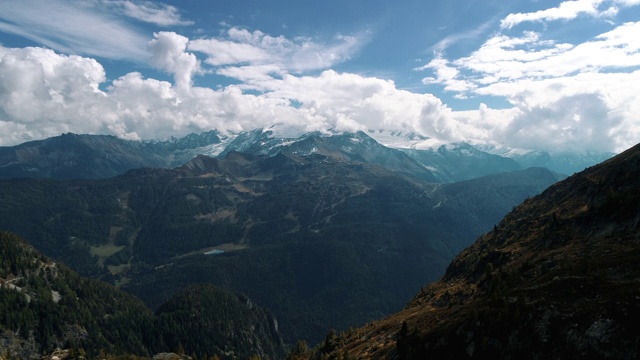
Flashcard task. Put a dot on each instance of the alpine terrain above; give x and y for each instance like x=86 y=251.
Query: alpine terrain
x=557 y=278
x=326 y=232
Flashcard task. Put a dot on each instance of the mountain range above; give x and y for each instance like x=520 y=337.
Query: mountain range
x=72 y=156
x=322 y=231
x=301 y=232
x=557 y=278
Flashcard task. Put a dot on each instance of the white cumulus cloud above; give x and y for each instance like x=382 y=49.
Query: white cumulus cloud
x=565 y=96
x=168 y=53
x=43 y=93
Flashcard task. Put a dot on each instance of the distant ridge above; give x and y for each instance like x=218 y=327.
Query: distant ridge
x=72 y=156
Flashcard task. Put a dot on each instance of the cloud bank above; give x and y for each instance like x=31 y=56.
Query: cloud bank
x=563 y=95
x=43 y=93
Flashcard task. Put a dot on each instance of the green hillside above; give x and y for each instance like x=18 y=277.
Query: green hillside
x=44 y=306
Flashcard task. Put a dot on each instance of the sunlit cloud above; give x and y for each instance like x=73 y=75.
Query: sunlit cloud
x=568 y=10
x=168 y=53
x=505 y=58
x=44 y=93
x=241 y=49
x=566 y=95
x=562 y=93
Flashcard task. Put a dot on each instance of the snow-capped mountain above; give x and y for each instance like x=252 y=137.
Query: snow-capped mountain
x=98 y=156
x=401 y=140
x=346 y=147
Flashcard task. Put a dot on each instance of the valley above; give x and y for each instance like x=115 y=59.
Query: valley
x=322 y=240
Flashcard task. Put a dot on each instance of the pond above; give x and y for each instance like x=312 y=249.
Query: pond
x=214 y=252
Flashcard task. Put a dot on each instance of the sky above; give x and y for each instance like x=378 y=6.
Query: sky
x=560 y=76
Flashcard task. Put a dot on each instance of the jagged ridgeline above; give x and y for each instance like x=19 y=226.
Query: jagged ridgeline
x=44 y=305
x=558 y=278
x=73 y=156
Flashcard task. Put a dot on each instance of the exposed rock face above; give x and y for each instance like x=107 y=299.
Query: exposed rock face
x=559 y=277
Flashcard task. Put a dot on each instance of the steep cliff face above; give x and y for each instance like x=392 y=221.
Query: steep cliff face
x=559 y=277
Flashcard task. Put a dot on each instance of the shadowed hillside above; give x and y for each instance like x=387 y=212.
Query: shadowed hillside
x=44 y=306
x=73 y=156
x=557 y=278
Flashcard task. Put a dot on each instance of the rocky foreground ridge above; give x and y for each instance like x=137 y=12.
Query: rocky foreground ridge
x=558 y=278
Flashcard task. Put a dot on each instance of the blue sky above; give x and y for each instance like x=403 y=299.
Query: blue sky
x=542 y=75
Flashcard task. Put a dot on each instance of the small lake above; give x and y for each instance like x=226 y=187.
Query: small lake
x=214 y=252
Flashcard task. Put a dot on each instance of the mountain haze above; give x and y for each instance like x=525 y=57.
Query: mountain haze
x=462 y=161
x=564 y=163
